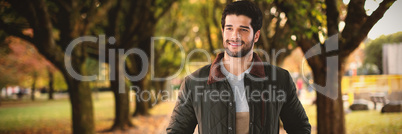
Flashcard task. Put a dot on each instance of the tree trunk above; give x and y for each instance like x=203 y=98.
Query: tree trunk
x=69 y=22
x=122 y=109
x=159 y=91
x=122 y=106
x=330 y=113
x=33 y=88
x=33 y=91
x=1 y=91
x=51 y=88
x=6 y=91
x=80 y=97
x=82 y=107
x=141 y=103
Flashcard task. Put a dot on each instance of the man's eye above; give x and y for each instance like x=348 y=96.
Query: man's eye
x=245 y=30
x=228 y=28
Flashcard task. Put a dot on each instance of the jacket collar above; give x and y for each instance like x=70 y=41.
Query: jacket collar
x=215 y=73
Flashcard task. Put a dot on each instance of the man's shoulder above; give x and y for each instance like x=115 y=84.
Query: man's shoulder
x=201 y=74
x=275 y=70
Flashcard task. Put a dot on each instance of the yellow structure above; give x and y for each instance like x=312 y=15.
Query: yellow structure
x=370 y=84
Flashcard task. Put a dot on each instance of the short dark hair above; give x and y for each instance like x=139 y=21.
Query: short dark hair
x=244 y=8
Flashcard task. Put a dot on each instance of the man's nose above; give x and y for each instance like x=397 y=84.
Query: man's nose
x=236 y=35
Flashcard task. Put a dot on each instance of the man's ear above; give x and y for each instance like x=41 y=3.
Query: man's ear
x=257 y=36
x=222 y=31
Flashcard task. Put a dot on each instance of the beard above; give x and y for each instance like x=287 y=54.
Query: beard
x=243 y=52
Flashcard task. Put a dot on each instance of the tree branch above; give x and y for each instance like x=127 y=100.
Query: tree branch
x=332 y=16
x=95 y=13
x=26 y=10
x=216 y=6
x=355 y=17
x=43 y=35
x=305 y=45
x=375 y=17
x=129 y=23
x=165 y=9
x=64 y=5
x=15 y=31
x=111 y=29
x=355 y=40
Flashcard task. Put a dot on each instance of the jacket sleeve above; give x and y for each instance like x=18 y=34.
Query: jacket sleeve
x=293 y=116
x=183 y=119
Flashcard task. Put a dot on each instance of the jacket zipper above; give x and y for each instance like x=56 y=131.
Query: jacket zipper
x=233 y=106
x=250 y=106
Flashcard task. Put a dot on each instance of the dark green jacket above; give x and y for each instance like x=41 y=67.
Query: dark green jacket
x=207 y=99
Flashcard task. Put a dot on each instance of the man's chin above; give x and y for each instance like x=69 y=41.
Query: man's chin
x=235 y=54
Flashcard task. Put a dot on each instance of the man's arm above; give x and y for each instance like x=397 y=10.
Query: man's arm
x=183 y=118
x=293 y=116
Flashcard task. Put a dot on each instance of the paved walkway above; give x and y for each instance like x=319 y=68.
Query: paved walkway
x=155 y=123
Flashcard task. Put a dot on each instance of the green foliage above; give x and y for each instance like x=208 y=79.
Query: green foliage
x=91 y=66
x=306 y=17
x=10 y=16
x=188 y=23
x=368 y=69
x=373 y=50
x=59 y=82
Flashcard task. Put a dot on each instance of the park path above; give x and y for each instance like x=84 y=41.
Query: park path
x=155 y=123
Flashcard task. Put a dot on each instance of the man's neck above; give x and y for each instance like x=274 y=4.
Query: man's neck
x=237 y=65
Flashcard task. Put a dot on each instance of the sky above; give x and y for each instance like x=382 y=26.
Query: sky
x=391 y=21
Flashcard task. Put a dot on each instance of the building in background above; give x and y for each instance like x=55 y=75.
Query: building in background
x=392 y=58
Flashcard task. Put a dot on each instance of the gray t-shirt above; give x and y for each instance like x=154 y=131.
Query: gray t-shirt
x=242 y=109
x=237 y=85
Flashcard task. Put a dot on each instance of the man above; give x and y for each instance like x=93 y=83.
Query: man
x=238 y=93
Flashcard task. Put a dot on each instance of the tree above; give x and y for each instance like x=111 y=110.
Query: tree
x=33 y=87
x=330 y=114
x=50 y=72
x=22 y=64
x=71 y=19
x=276 y=33
x=144 y=31
x=373 y=50
x=9 y=75
x=132 y=24
x=211 y=16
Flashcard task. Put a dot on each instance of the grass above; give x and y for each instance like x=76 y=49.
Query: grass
x=364 y=122
x=373 y=122
x=44 y=116
x=29 y=116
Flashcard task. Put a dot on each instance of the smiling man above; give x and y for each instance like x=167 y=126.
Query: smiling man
x=238 y=93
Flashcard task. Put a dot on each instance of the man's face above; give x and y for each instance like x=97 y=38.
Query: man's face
x=238 y=37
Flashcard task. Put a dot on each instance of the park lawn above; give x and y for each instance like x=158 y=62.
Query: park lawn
x=51 y=116
x=44 y=116
x=364 y=122
x=373 y=122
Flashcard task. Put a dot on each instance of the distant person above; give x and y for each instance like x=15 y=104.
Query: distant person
x=238 y=93
x=20 y=94
x=299 y=83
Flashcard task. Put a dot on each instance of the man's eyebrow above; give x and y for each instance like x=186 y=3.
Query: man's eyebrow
x=245 y=27
x=228 y=25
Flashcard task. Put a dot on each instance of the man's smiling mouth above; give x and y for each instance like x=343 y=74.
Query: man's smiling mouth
x=235 y=43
